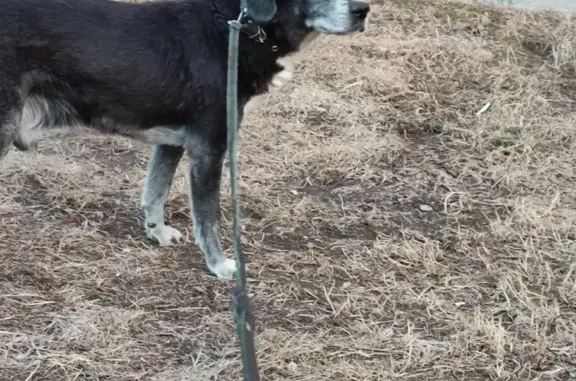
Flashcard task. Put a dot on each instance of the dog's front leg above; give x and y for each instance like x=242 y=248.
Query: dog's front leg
x=205 y=175
x=161 y=168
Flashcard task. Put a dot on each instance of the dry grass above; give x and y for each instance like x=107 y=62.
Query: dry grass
x=390 y=231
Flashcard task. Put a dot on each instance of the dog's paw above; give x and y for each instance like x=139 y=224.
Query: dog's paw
x=224 y=269
x=164 y=235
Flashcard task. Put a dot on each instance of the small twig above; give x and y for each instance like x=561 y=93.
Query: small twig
x=484 y=109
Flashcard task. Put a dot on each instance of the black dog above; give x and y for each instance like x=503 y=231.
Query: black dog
x=153 y=71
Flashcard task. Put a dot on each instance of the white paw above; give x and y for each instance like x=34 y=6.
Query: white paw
x=224 y=269
x=164 y=235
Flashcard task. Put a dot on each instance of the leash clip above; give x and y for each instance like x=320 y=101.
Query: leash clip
x=243 y=13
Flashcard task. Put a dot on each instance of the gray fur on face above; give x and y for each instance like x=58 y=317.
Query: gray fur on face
x=330 y=16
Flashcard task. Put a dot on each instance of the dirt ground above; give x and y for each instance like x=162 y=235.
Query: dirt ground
x=395 y=227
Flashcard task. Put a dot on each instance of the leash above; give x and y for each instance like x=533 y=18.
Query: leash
x=241 y=304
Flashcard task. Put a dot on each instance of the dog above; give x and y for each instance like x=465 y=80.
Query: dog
x=156 y=72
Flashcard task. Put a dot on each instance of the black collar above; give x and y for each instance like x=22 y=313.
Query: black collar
x=255 y=32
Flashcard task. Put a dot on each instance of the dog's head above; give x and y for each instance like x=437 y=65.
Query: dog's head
x=324 y=16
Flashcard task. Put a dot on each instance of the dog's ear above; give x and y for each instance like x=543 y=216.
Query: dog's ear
x=261 y=11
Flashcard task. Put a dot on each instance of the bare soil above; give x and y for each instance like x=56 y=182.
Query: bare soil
x=392 y=231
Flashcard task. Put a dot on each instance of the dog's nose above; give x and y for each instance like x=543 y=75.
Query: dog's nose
x=360 y=9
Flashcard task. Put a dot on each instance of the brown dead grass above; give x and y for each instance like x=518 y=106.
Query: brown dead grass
x=390 y=231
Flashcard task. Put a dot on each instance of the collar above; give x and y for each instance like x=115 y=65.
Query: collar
x=255 y=32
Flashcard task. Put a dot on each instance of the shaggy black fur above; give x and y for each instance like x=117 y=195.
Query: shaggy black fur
x=122 y=65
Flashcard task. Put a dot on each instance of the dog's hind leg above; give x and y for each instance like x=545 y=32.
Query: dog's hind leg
x=7 y=134
x=205 y=174
x=8 y=122
x=161 y=168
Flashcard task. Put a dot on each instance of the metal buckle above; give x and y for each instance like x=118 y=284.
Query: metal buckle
x=255 y=32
